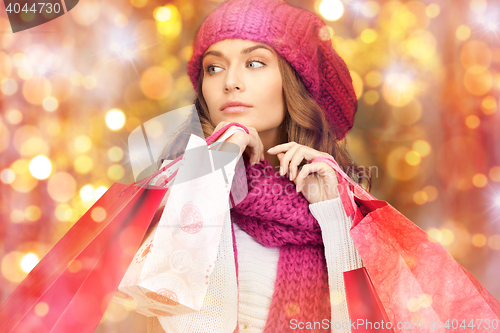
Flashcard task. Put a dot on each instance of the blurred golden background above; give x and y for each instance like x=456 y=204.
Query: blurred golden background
x=426 y=73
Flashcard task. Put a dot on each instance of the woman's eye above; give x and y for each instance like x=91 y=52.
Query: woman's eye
x=209 y=69
x=255 y=64
x=212 y=69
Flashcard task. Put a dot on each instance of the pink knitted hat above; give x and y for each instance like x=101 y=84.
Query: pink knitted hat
x=299 y=36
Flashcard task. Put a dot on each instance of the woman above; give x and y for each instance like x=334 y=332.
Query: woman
x=271 y=67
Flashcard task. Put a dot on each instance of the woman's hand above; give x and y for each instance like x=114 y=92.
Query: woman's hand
x=317 y=181
x=250 y=143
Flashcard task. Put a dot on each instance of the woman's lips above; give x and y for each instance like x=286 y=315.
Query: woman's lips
x=236 y=109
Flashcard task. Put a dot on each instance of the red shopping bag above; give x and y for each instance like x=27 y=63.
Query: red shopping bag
x=421 y=287
x=79 y=275
x=363 y=304
x=75 y=282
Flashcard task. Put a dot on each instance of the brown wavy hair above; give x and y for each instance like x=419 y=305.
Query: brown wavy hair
x=304 y=123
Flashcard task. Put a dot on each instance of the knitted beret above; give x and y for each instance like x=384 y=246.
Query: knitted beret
x=299 y=36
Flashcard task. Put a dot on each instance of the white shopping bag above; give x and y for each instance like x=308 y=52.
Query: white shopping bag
x=170 y=272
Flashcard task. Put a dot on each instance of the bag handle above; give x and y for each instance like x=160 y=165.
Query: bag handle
x=209 y=140
x=345 y=184
x=222 y=138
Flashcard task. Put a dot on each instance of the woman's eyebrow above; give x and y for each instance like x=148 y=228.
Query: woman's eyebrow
x=244 y=51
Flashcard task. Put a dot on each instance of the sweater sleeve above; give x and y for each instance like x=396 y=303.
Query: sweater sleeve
x=340 y=253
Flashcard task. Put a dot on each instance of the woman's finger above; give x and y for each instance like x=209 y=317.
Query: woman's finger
x=324 y=170
x=281 y=147
x=220 y=125
x=306 y=153
x=259 y=152
x=298 y=157
x=285 y=160
x=300 y=178
x=250 y=143
x=255 y=146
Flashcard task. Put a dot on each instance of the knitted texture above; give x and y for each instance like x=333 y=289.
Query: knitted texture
x=341 y=255
x=299 y=36
x=275 y=216
x=257 y=267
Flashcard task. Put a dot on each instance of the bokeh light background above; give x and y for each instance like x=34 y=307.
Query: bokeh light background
x=426 y=73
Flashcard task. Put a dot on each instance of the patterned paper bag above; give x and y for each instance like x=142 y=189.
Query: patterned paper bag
x=170 y=272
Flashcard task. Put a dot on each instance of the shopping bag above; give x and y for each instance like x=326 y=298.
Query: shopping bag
x=70 y=288
x=363 y=303
x=421 y=287
x=169 y=273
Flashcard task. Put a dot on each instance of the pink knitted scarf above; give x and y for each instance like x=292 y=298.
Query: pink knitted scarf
x=275 y=215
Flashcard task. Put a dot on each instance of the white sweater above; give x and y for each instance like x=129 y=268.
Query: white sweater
x=257 y=266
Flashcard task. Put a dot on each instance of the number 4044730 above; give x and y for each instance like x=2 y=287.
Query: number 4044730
x=473 y=323
x=44 y=7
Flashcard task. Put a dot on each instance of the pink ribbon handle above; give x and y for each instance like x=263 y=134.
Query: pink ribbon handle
x=347 y=201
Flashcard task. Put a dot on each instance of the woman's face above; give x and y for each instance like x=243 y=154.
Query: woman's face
x=245 y=72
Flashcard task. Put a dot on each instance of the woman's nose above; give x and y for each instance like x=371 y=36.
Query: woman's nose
x=233 y=81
